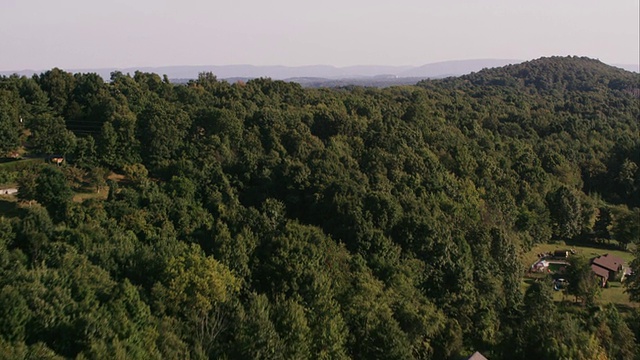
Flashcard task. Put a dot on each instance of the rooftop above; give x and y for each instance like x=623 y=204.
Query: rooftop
x=609 y=262
x=477 y=356
x=602 y=272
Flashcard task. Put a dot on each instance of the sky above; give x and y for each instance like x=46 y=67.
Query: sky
x=90 y=34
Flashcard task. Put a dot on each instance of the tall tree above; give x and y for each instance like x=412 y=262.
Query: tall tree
x=27 y=184
x=10 y=124
x=53 y=192
x=162 y=129
x=566 y=213
x=49 y=135
x=632 y=282
x=583 y=283
x=626 y=226
x=59 y=85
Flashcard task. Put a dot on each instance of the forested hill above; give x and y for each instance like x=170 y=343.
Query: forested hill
x=261 y=220
x=579 y=108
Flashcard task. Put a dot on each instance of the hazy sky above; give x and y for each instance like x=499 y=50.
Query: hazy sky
x=81 y=34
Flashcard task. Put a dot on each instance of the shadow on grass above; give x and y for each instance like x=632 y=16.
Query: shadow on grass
x=10 y=208
x=624 y=308
x=7 y=160
x=596 y=245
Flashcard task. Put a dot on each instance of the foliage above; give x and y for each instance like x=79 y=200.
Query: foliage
x=53 y=191
x=626 y=226
x=264 y=220
x=632 y=283
x=10 y=126
x=583 y=283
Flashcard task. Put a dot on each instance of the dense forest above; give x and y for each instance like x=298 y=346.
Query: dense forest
x=261 y=220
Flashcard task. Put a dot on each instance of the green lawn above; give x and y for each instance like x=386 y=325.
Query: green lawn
x=9 y=206
x=9 y=169
x=588 y=251
x=613 y=294
x=15 y=165
x=81 y=196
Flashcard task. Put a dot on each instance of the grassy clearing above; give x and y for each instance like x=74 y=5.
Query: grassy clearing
x=16 y=165
x=10 y=168
x=614 y=294
x=117 y=177
x=588 y=251
x=85 y=195
x=9 y=206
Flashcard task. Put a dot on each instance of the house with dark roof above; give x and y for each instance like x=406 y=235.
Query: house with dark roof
x=608 y=268
x=601 y=273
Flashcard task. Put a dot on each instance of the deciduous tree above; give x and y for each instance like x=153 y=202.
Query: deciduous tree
x=53 y=192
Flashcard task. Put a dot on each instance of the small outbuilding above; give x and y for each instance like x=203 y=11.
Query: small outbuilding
x=56 y=159
x=561 y=254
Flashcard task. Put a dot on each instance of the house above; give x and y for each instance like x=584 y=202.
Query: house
x=10 y=191
x=476 y=356
x=601 y=273
x=608 y=267
x=56 y=159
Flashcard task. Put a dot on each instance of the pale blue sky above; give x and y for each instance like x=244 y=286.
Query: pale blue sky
x=81 y=34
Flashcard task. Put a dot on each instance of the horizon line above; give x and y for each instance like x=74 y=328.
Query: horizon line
x=136 y=67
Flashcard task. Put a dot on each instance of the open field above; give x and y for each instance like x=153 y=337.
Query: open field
x=615 y=294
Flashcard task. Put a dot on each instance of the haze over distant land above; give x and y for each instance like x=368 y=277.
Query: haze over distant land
x=318 y=75
x=440 y=69
x=79 y=34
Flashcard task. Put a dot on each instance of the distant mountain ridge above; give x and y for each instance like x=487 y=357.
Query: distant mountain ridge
x=439 y=69
x=326 y=72
x=456 y=67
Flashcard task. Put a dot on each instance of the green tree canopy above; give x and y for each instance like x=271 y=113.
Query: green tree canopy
x=53 y=192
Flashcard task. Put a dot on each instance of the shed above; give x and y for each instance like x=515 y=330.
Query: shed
x=562 y=254
x=56 y=159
